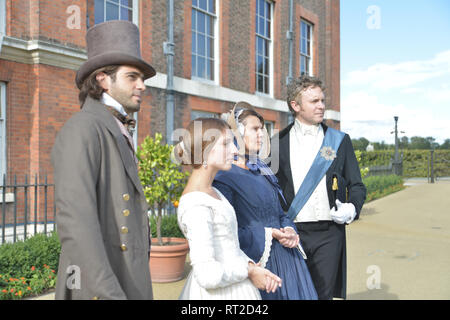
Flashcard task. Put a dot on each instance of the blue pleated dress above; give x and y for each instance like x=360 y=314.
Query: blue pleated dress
x=258 y=210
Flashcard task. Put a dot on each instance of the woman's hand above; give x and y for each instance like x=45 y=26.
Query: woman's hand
x=263 y=279
x=286 y=236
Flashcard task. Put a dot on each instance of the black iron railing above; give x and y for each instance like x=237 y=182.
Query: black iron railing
x=27 y=208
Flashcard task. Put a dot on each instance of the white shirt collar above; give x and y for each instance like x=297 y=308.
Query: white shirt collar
x=110 y=101
x=305 y=129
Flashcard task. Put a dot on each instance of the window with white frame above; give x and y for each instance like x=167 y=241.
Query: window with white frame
x=203 y=114
x=269 y=127
x=2 y=129
x=306 y=40
x=263 y=45
x=106 y=10
x=203 y=27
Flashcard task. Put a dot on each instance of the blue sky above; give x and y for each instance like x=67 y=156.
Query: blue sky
x=395 y=61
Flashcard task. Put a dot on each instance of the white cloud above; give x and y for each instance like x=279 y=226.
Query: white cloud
x=364 y=115
x=418 y=92
x=400 y=75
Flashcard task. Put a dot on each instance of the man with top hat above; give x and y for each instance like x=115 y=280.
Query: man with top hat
x=102 y=213
x=321 y=182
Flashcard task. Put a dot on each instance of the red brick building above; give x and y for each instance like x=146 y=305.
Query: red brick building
x=225 y=51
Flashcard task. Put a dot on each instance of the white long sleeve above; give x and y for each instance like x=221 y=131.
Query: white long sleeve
x=215 y=263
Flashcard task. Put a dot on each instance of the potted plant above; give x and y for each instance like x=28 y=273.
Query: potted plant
x=163 y=182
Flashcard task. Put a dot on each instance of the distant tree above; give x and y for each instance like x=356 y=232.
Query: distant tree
x=433 y=143
x=415 y=142
x=445 y=145
x=420 y=143
x=382 y=146
x=360 y=144
x=403 y=143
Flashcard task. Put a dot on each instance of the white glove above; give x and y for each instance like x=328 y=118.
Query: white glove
x=345 y=212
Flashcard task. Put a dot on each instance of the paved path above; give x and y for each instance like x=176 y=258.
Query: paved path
x=402 y=240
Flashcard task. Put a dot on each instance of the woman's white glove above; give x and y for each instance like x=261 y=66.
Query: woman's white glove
x=345 y=212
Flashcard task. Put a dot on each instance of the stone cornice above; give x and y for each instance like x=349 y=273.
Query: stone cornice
x=211 y=91
x=41 y=52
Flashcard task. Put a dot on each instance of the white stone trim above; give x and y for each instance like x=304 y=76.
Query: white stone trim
x=43 y=52
x=210 y=91
x=9 y=197
x=215 y=92
x=20 y=230
x=332 y=115
x=39 y=51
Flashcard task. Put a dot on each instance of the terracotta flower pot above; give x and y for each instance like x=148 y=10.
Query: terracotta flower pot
x=167 y=262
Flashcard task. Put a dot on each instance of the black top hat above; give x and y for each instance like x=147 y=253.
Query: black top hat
x=114 y=42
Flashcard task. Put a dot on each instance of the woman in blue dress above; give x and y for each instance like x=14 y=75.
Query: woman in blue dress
x=266 y=234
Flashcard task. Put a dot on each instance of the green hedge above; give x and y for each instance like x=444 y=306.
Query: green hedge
x=415 y=162
x=380 y=186
x=169 y=226
x=29 y=267
x=16 y=259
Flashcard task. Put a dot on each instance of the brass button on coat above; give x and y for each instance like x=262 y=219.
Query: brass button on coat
x=126 y=212
x=123 y=247
x=124 y=230
x=126 y=197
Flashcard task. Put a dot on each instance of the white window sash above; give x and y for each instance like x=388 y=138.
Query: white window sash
x=309 y=58
x=215 y=73
x=135 y=10
x=270 y=53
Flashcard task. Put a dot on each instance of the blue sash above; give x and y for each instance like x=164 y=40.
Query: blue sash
x=321 y=164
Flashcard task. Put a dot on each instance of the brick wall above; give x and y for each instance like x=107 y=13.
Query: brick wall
x=41 y=98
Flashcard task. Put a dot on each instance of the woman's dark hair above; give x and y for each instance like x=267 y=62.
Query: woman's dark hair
x=91 y=87
x=250 y=112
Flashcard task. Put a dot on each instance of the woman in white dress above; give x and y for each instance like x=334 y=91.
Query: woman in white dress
x=220 y=269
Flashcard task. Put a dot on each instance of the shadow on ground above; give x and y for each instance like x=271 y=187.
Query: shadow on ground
x=171 y=290
x=374 y=294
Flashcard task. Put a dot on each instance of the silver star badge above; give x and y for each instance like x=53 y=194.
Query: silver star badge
x=328 y=153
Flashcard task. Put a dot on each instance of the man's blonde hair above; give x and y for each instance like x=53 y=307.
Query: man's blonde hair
x=298 y=85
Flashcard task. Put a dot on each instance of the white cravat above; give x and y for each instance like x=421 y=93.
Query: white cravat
x=305 y=141
x=110 y=101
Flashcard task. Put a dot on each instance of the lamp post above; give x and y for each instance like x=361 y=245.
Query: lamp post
x=396 y=139
x=397 y=163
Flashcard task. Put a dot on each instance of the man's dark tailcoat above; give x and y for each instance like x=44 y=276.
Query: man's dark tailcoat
x=350 y=189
